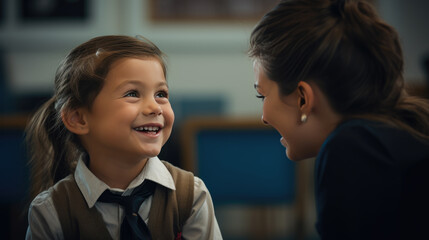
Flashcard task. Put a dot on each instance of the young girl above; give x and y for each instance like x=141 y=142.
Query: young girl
x=94 y=146
x=330 y=76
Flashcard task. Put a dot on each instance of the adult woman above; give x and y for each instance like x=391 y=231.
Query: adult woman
x=330 y=76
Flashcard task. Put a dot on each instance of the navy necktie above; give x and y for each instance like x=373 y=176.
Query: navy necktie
x=132 y=227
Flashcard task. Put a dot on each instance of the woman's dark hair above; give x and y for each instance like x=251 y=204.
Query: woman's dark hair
x=348 y=51
x=53 y=149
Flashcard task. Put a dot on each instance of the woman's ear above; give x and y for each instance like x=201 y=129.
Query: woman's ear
x=305 y=97
x=75 y=121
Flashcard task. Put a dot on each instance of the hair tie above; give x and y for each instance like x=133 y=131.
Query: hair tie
x=99 y=52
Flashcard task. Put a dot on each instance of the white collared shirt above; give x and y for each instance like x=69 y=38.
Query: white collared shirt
x=44 y=223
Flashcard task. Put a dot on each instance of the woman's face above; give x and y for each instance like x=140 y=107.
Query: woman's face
x=283 y=113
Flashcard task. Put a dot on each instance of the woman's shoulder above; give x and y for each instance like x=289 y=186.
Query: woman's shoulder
x=352 y=132
x=362 y=129
x=363 y=136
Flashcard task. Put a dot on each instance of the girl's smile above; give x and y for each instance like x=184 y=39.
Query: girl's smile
x=150 y=130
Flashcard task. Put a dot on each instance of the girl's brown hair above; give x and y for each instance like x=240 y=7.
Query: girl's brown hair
x=348 y=51
x=53 y=149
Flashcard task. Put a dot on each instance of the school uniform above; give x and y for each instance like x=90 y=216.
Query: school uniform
x=44 y=221
x=372 y=182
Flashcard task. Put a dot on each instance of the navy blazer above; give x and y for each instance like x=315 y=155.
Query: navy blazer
x=372 y=182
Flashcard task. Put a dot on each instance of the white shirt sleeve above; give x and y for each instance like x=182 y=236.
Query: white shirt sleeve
x=202 y=223
x=43 y=222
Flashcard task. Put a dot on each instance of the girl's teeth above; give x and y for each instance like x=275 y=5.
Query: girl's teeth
x=147 y=128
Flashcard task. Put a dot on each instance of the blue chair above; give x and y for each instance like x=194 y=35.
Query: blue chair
x=242 y=163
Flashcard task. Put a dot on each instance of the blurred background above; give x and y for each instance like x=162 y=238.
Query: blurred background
x=209 y=75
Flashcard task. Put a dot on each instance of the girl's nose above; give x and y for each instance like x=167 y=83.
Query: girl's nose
x=152 y=108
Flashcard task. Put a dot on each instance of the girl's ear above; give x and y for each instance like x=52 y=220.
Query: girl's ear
x=75 y=121
x=305 y=97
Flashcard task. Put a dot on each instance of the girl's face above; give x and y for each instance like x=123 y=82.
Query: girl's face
x=131 y=117
x=282 y=113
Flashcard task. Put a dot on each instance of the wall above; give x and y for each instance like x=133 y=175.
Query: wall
x=410 y=19
x=204 y=58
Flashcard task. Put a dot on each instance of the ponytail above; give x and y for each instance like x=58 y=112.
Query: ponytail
x=49 y=147
x=413 y=115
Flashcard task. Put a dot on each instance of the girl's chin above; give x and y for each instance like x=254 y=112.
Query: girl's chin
x=151 y=154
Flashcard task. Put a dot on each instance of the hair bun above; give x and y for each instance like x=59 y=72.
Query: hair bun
x=337 y=8
x=353 y=9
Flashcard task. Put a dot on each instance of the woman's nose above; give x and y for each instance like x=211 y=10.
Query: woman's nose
x=263 y=121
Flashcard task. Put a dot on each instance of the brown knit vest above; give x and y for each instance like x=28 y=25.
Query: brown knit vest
x=168 y=213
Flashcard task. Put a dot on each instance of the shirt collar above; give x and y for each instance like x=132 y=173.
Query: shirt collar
x=92 y=187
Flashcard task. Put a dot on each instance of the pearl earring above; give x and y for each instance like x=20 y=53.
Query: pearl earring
x=304 y=118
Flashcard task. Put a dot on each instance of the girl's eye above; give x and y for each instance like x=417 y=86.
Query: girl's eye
x=162 y=94
x=261 y=97
x=132 y=93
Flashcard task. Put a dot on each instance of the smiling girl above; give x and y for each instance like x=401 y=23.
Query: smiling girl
x=94 y=148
